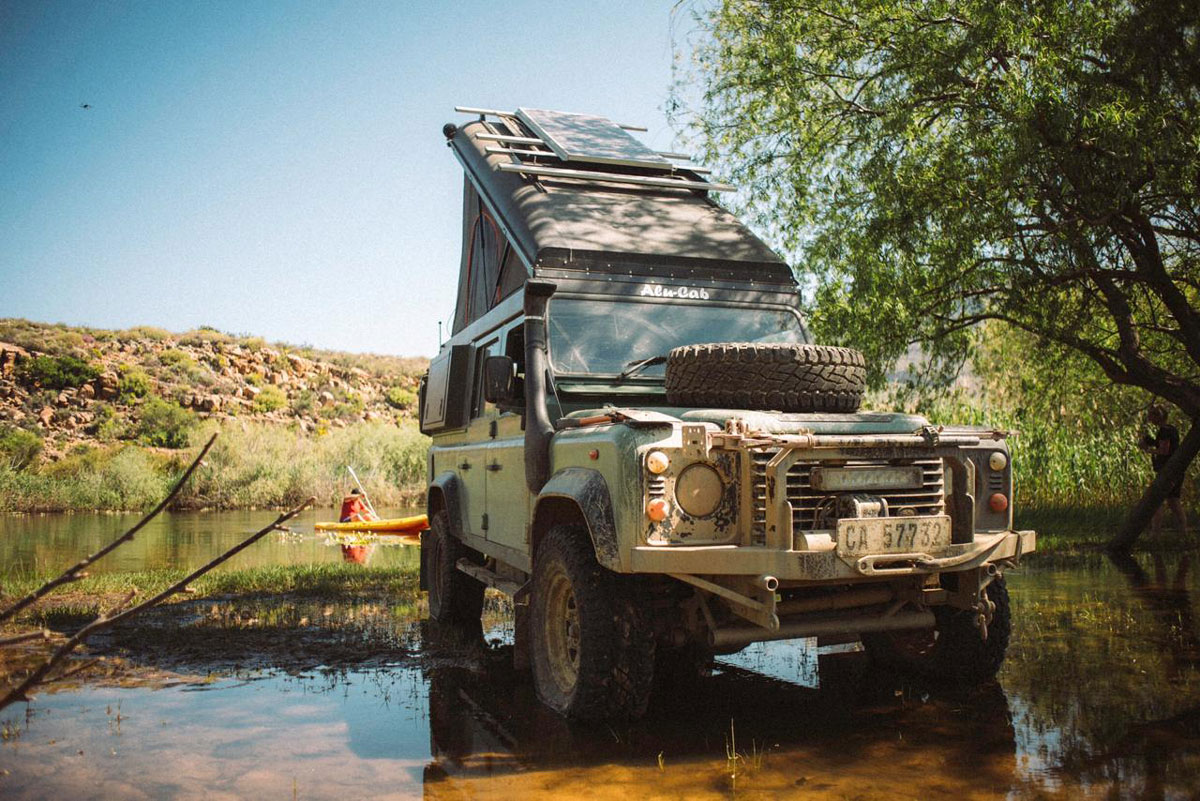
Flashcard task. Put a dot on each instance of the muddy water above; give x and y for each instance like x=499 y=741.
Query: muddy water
x=1100 y=698
x=186 y=539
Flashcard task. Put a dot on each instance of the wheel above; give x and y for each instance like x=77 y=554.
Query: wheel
x=954 y=650
x=455 y=598
x=678 y=671
x=782 y=377
x=593 y=658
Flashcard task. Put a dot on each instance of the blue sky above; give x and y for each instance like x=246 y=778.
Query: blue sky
x=278 y=168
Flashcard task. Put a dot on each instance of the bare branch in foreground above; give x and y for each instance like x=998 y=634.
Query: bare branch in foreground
x=28 y=636
x=75 y=572
x=116 y=614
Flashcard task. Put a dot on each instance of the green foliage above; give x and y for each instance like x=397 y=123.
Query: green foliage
x=255 y=379
x=1075 y=444
x=42 y=337
x=400 y=397
x=349 y=406
x=252 y=465
x=133 y=382
x=19 y=448
x=147 y=332
x=56 y=372
x=100 y=478
x=269 y=399
x=164 y=424
x=176 y=358
x=933 y=165
x=106 y=426
x=204 y=335
x=305 y=402
x=258 y=464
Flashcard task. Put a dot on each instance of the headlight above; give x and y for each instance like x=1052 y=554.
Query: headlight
x=698 y=490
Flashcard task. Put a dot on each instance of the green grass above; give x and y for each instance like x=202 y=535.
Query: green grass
x=333 y=580
x=255 y=465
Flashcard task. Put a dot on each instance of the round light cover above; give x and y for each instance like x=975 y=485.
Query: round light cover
x=658 y=510
x=998 y=502
x=698 y=490
x=997 y=461
x=657 y=462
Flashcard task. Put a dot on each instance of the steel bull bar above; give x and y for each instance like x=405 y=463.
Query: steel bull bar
x=811 y=557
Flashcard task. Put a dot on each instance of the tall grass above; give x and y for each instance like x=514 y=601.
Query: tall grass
x=1062 y=463
x=265 y=465
x=252 y=465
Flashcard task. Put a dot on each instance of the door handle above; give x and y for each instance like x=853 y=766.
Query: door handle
x=465 y=466
x=494 y=466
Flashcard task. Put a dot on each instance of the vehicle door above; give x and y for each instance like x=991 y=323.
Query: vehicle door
x=508 y=497
x=471 y=456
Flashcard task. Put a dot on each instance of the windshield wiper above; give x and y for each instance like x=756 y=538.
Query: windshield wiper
x=638 y=365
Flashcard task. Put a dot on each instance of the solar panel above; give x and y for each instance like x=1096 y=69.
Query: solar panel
x=586 y=138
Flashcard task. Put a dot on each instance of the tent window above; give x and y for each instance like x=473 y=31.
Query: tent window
x=512 y=274
x=487 y=246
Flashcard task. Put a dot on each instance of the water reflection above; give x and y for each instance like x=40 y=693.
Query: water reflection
x=182 y=539
x=1100 y=698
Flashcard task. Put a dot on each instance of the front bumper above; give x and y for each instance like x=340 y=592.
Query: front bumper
x=825 y=566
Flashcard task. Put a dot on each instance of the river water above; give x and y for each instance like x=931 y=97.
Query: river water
x=1099 y=698
x=50 y=542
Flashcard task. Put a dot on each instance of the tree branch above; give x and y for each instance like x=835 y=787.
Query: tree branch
x=115 y=615
x=75 y=572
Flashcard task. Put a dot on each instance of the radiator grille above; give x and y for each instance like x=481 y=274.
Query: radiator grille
x=930 y=499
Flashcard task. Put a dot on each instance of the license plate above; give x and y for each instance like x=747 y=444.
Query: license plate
x=870 y=535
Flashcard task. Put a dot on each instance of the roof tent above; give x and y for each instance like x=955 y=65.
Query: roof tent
x=547 y=191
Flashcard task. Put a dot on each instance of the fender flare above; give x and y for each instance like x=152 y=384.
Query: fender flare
x=588 y=491
x=447 y=486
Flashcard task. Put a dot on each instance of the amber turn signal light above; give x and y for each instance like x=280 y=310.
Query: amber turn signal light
x=657 y=509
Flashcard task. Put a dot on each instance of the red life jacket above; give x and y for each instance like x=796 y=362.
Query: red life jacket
x=354 y=508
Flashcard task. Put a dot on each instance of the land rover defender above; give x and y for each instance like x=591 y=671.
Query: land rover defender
x=633 y=436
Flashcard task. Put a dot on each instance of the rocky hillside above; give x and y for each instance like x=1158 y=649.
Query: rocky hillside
x=69 y=385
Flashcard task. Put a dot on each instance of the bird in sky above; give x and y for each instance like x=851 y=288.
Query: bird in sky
x=85 y=106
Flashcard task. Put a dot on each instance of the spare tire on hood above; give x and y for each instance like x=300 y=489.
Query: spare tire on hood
x=775 y=377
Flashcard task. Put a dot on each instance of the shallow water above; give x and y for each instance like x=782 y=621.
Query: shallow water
x=1099 y=698
x=180 y=540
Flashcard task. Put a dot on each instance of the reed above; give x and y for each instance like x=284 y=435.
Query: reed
x=255 y=465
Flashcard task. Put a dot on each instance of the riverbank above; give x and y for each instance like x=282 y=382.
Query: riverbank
x=99 y=420
x=252 y=465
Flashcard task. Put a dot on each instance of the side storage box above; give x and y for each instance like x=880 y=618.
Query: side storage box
x=445 y=393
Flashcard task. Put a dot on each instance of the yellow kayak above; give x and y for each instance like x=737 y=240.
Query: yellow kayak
x=401 y=524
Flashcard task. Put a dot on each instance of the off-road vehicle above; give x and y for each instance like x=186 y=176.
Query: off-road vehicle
x=634 y=438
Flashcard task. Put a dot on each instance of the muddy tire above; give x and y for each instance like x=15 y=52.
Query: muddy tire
x=953 y=651
x=779 y=377
x=678 y=671
x=592 y=654
x=455 y=599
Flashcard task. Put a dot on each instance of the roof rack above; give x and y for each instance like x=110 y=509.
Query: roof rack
x=557 y=144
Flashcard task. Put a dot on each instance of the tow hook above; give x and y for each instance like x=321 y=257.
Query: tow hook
x=985 y=607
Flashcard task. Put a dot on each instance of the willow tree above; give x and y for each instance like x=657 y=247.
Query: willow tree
x=935 y=165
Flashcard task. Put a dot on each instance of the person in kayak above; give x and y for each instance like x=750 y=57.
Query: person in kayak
x=355 y=508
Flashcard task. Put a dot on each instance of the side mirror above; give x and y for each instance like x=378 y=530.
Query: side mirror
x=499 y=380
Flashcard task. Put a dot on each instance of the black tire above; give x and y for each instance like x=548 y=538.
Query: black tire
x=954 y=651
x=780 y=377
x=592 y=654
x=455 y=599
x=678 y=671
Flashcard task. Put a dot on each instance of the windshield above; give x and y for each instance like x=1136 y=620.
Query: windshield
x=606 y=337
